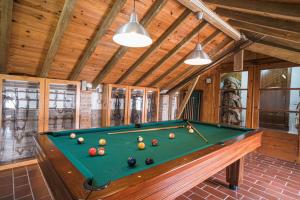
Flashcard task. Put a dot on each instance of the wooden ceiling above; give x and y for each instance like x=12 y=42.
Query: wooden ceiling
x=72 y=39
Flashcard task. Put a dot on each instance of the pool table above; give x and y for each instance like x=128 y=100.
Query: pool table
x=179 y=164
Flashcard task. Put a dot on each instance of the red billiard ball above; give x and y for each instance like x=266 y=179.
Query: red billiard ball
x=154 y=142
x=101 y=151
x=92 y=151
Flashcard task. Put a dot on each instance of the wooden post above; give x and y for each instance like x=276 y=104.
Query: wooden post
x=234 y=174
x=187 y=97
x=238 y=64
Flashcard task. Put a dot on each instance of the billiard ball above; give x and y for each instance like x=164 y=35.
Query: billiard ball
x=102 y=142
x=101 y=151
x=171 y=135
x=188 y=126
x=92 y=151
x=191 y=130
x=73 y=135
x=80 y=140
x=149 y=161
x=131 y=161
x=154 y=142
x=141 y=145
x=140 y=139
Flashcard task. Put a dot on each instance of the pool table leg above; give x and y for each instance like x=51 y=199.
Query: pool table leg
x=234 y=174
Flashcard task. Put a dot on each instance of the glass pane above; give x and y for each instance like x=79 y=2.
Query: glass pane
x=232 y=116
x=234 y=80
x=117 y=103
x=174 y=106
x=62 y=107
x=284 y=121
x=152 y=106
x=164 y=107
x=280 y=78
x=96 y=108
x=234 y=98
x=20 y=109
x=136 y=105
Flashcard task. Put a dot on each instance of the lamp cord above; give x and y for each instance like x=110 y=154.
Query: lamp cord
x=133 y=5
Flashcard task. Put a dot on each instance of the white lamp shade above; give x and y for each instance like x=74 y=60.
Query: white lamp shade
x=132 y=34
x=198 y=57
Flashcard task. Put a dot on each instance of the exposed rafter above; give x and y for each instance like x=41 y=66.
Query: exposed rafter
x=214 y=54
x=275 y=51
x=184 y=41
x=155 y=45
x=181 y=61
x=151 y=13
x=211 y=17
x=92 y=45
x=279 y=24
x=264 y=8
x=290 y=36
x=223 y=56
x=61 y=26
x=5 y=29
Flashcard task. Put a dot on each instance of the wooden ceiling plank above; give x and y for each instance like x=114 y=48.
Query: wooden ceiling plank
x=264 y=8
x=275 y=51
x=220 y=58
x=5 y=30
x=213 y=53
x=172 y=52
x=151 y=13
x=295 y=37
x=283 y=25
x=155 y=45
x=181 y=61
x=92 y=45
x=61 y=26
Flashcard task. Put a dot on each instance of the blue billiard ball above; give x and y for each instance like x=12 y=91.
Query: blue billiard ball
x=131 y=161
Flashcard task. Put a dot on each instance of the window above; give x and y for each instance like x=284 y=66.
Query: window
x=280 y=99
x=233 y=98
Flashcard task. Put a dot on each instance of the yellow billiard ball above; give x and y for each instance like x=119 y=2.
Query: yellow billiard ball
x=141 y=145
x=73 y=135
x=191 y=130
x=102 y=142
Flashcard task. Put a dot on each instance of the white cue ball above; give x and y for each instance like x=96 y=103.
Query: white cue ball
x=191 y=130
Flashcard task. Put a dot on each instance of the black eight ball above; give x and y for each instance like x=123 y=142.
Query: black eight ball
x=131 y=161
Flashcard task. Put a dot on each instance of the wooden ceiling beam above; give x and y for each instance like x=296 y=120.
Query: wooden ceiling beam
x=173 y=51
x=61 y=26
x=221 y=57
x=295 y=37
x=275 y=51
x=181 y=61
x=260 y=7
x=211 y=17
x=214 y=53
x=5 y=30
x=93 y=43
x=279 y=24
x=155 y=45
x=151 y=13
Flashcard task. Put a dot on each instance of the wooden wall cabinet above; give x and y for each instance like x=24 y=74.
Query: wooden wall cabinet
x=129 y=104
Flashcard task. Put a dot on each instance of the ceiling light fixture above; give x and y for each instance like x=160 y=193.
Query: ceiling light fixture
x=132 y=34
x=198 y=56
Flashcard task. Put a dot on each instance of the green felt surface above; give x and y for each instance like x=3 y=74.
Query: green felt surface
x=119 y=147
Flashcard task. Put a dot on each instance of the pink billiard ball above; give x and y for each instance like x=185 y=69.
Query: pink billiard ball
x=171 y=135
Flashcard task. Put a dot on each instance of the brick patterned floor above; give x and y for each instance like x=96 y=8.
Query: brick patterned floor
x=265 y=178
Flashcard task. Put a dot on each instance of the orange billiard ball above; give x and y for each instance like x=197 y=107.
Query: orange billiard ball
x=141 y=145
x=102 y=142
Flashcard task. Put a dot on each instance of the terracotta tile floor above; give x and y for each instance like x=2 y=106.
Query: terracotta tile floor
x=265 y=178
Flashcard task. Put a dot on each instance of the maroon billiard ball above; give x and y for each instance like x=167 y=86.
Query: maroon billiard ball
x=154 y=142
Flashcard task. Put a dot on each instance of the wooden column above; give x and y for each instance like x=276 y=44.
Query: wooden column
x=238 y=64
x=234 y=174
